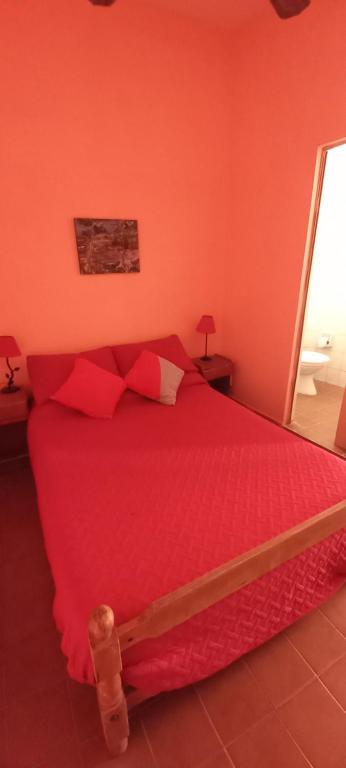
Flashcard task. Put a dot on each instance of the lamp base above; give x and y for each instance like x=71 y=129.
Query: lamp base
x=205 y=357
x=9 y=390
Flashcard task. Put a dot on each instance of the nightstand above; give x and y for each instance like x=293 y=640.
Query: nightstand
x=13 y=418
x=217 y=372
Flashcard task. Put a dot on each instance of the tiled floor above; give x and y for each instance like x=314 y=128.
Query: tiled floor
x=316 y=417
x=282 y=706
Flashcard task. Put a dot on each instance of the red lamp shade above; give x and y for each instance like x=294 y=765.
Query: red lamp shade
x=9 y=347
x=206 y=324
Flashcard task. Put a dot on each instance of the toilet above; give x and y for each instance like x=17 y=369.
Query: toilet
x=310 y=363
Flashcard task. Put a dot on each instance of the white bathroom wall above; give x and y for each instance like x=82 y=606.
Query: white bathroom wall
x=326 y=308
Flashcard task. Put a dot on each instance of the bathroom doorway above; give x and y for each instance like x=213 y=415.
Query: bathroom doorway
x=321 y=369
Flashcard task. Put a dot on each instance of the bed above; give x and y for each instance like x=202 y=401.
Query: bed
x=207 y=529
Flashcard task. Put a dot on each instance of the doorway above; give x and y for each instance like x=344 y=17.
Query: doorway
x=321 y=369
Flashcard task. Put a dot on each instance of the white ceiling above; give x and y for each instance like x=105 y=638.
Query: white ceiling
x=231 y=13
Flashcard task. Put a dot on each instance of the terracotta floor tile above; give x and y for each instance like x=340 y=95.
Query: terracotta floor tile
x=40 y=729
x=279 y=668
x=29 y=594
x=335 y=609
x=267 y=745
x=40 y=652
x=317 y=640
x=85 y=710
x=179 y=730
x=221 y=760
x=31 y=539
x=3 y=742
x=138 y=755
x=316 y=417
x=318 y=725
x=2 y=689
x=23 y=515
x=335 y=680
x=234 y=700
x=63 y=758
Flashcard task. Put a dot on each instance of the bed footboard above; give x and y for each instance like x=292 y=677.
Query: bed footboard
x=167 y=612
x=106 y=656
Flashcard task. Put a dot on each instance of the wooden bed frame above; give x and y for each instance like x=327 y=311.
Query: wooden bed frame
x=108 y=641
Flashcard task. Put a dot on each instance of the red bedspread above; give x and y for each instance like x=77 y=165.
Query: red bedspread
x=134 y=507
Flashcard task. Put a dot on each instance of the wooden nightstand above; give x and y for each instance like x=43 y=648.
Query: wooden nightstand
x=217 y=371
x=13 y=418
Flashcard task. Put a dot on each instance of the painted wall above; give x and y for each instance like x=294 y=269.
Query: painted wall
x=326 y=307
x=110 y=112
x=208 y=138
x=288 y=91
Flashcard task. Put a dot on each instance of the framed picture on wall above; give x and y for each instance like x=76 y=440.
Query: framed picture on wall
x=107 y=245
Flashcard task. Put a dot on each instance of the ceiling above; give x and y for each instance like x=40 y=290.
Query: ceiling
x=232 y=13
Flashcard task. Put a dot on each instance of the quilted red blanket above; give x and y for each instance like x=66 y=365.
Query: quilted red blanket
x=134 y=507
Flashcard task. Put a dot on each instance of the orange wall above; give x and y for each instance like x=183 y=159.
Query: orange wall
x=110 y=112
x=208 y=138
x=289 y=97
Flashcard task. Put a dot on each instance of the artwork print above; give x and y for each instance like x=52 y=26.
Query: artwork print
x=107 y=245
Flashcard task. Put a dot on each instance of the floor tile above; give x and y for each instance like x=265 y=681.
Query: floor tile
x=70 y=758
x=279 y=668
x=316 y=417
x=39 y=651
x=3 y=742
x=2 y=689
x=27 y=583
x=138 y=755
x=234 y=700
x=179 y=730
x=267 y=745
x=40 y=728
x=31 y=538
x=317 y=640
x=85 y=710
x=335 y=680
x=318 y=725
x=221 y=760
x=335 y=609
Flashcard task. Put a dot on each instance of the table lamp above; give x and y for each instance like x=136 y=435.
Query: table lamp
x=206 y=325
x=9 y=348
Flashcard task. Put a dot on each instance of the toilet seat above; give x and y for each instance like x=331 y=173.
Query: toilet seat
x=308 y=356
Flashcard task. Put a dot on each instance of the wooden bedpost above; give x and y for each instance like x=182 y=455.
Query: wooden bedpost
x=106 y=656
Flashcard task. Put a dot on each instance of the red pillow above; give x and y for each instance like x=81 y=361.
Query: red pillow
x=91 y=390
x=48 y=372
x=155 y=377
x=169 y=348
